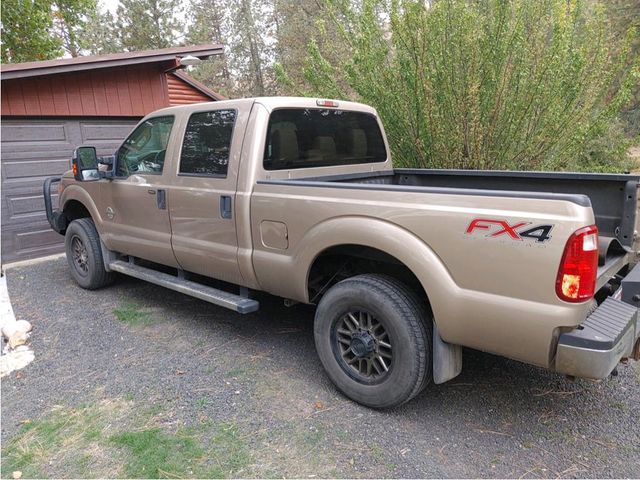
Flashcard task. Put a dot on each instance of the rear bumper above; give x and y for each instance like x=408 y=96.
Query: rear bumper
x=594 y=348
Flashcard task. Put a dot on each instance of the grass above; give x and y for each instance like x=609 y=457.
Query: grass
x=116 y=438
x=152 y=410
x=377 y=451
x=131 y=314
x=66 y=437
x=311 y=436
x=240 y=372
x=152 y=453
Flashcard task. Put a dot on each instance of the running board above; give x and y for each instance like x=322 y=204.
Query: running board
x=208 y=294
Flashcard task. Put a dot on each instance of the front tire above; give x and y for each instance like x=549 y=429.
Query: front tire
x=84 y=255
x=373 y=336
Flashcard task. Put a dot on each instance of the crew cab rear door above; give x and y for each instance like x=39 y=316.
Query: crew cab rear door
x=202 y=196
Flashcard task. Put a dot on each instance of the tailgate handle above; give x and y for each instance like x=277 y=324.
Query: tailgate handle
x=225 y=206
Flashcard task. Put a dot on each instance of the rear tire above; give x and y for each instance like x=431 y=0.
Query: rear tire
x=373 y=336
x=84 y=255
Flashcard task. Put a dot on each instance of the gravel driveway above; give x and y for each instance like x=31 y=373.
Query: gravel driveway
x=260 y=373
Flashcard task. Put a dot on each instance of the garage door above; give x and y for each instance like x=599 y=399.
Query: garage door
x=33 y=150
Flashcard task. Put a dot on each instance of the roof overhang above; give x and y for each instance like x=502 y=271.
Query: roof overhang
x=92 y=62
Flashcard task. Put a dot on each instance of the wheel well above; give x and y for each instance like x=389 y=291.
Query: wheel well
x=74 y=210
x=344 y=261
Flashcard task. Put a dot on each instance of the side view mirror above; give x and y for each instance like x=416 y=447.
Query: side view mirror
x=84 y=164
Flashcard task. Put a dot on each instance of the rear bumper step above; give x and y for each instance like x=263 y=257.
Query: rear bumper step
x=594 y=348
x=208 y=294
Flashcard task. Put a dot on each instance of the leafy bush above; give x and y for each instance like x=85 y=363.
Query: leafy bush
x=607 y=152
x=491 y=84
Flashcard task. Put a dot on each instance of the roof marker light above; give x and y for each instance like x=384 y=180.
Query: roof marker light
x=326 y=103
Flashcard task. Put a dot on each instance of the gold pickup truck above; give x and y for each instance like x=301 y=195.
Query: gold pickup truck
x=298 y=197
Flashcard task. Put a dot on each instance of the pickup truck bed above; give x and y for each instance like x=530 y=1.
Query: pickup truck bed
x=613 y=198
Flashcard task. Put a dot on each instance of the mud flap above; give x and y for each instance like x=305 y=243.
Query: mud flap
x=447 y=358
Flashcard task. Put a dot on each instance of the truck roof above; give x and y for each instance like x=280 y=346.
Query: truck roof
x=270 y=103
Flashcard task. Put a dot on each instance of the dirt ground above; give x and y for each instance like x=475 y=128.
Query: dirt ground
x=135 y=380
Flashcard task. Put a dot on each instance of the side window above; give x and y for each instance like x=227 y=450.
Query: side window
x=207 y=142
x=144 y=150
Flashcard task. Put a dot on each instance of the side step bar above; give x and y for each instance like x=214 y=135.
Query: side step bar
x=208 y=294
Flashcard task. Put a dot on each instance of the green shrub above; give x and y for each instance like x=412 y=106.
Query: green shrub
x=488 y=84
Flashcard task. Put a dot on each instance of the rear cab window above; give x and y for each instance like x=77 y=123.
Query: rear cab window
x=317 y=137
x=207 y=143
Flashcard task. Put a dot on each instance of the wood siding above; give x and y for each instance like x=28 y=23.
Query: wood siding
x=121 y=92
x=181 y=93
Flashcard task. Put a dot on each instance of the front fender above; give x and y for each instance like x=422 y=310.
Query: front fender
x=81 y=195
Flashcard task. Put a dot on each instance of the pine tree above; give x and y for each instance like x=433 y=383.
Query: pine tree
x=300 y=23
x=70 y=22
x=100 y=35
x=208 y=17
x=248 y=50
x=148 y=24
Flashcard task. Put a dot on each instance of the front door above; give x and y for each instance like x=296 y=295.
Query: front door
x=202 y=195
x=135 y=201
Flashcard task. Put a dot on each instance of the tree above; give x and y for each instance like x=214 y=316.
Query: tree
x=70 y=22
x=147 y=24
x=100 y=35
x=298 y=23
x=41 y=29
x=208 y=18
x=26 y=26
x=249 y=53
x=491 y=84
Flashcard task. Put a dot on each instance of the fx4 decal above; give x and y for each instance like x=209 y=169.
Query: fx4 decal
x=516 y=231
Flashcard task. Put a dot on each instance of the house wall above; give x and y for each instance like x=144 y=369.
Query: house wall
x=181 y=93
x=121 y=91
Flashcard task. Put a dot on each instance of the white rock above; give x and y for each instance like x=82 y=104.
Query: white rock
x=18 y=338
x=23 y=326
x=9 y=329
x=15 y=361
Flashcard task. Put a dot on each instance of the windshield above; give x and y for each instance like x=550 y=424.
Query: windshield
x=313 y=137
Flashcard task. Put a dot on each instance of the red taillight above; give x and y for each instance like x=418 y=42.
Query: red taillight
x=576 y=281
